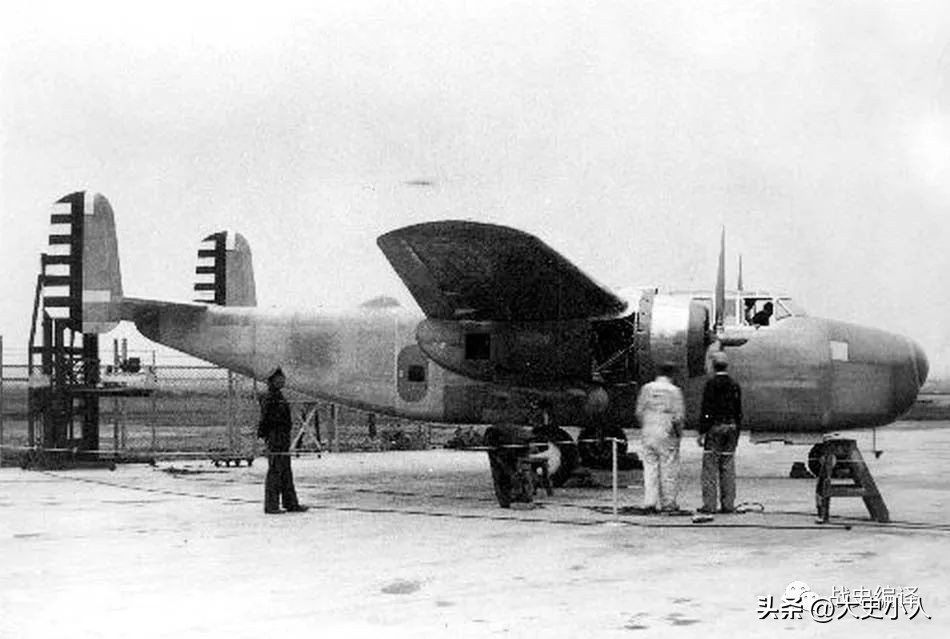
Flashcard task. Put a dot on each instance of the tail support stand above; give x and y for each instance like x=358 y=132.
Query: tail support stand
x=845 y=452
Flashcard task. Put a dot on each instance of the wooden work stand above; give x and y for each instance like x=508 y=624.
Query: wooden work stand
x=841 y=459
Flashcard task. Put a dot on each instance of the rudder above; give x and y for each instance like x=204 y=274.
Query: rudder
x=225 y=271
x=82 y=280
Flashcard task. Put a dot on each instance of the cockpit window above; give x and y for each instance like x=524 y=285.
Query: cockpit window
x=792 y=307
x=781 y=312
x=729 y=312
x=757 y=311
x=767 y=311
x=742 y=310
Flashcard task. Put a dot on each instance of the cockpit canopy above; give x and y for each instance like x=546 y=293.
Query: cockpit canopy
x=752 y=308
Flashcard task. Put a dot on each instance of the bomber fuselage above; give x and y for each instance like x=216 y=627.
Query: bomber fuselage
x=801 y=375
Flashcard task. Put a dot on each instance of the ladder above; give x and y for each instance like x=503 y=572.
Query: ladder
x=861 y=484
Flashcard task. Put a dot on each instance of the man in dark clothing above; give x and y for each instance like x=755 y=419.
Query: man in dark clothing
x=274 y=428
x=719 y=425
x=763 y=317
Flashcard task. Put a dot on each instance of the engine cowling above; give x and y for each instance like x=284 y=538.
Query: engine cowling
x=679 y=333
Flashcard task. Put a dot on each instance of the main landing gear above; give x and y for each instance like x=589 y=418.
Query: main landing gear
x=595 y=446
x=552 y=450
x=558 y=447
x=521 y=460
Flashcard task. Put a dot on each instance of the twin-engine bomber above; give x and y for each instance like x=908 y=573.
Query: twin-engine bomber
x=509 y=324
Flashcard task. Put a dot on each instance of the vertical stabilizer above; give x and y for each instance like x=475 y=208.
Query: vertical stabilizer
x=225 y=272
x=82 y=281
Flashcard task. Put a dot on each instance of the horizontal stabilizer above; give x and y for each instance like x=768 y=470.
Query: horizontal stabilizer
x=469 y=270
x=141 y=310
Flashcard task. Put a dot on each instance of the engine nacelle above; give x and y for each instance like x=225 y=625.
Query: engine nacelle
x=581 y=353
x=518 y=353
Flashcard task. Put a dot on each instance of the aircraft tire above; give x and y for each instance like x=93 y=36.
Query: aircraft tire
x=564 y=460
x=598 y=454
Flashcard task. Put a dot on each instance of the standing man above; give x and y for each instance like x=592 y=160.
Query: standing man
x=661 y=414
x=274 y=428
x=719 y=425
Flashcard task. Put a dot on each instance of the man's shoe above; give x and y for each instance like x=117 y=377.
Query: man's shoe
x=273 y=512
x=705 y=511
x=298 y=509
x=727 y=511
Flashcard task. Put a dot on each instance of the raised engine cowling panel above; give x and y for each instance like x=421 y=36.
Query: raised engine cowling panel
x=678 y=330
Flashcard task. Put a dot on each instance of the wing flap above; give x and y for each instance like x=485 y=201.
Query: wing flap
x=469 y=270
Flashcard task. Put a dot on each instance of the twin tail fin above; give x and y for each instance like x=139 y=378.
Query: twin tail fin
x=225 y=272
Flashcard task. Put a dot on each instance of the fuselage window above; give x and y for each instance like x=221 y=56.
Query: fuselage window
x=477 y=346
x=416 y=373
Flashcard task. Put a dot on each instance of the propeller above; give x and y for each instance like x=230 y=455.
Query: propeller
x=718 y=333
x=739 y=279
x=720 y=297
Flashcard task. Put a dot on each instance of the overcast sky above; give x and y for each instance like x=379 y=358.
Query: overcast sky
x=623 y=134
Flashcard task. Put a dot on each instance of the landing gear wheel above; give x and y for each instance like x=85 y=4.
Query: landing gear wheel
x=561 y=454
x=814 y=459
x=596 y=449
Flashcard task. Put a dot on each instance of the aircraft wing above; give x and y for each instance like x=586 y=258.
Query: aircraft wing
x=469 y=270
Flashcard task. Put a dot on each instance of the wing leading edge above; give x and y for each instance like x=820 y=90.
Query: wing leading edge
x=468 y=270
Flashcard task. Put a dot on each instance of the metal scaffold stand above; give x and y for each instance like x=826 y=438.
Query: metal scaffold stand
x=63 y=362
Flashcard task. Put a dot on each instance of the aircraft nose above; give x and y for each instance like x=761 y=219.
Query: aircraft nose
x=920 y=361
x=914 y=374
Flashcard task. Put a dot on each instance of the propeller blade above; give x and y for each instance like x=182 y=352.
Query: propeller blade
x=721 y=282
x=740 y=273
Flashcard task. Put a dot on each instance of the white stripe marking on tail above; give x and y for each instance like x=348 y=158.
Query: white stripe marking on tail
x=62 y=208
x=89 y=295
x=55 y=291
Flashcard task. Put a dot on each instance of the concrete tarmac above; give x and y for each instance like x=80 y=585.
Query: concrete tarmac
x=414 y=545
